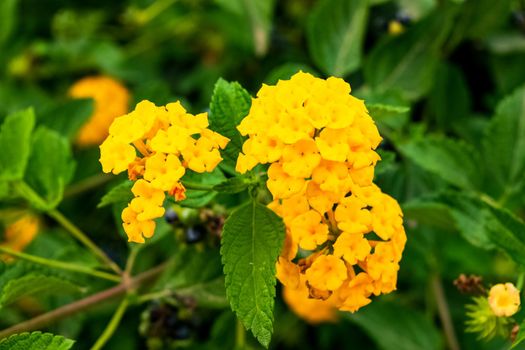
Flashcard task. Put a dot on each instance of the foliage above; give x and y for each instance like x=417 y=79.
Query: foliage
x=443 y=80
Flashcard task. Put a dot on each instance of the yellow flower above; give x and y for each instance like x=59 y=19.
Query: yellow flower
x=111 y=99
x=327 y=273
x=19 y=233
x=320 y=143
x=504 y=299
x=313 y=311
x=156 y=145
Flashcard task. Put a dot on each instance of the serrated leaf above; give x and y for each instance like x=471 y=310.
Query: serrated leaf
x=335 y=34
x=453 y=161
x=15 y=143
x=36 y=341
x=395 y=327
x=67 y=117
x=232 y=185
x=50 y=168
x=35 y=284
x=251 y=242
x=230 y=103
x=406 y=63
x=118 y=194
x=504 y=146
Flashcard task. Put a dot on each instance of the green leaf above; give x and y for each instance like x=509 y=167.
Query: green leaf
x=118 y=194
x=429 y=212
x=286 y=71
x=230 y=103
x=233 y=185
x=335 y=34
x=211 y=294
x=450 y=89
x=15 y=144
x=388 y=116
x=504 y=146
x=67 y=117
x=478 y=18
x=251 y=242
x=8 y=18
x=454 y=161
x=36 y=341
x=197 y=198
x=407 y=62
x=36 y=284
x=50 y=167
x=395 y=327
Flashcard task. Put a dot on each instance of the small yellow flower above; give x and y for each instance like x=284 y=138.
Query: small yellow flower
x=504 y=299
x=326 y=273
x=111 y=99
x=156 y=145
x=19 y=233
x=313 y=311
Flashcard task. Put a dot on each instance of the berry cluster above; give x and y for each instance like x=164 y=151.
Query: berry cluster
x=156 y=145
x=344 y=236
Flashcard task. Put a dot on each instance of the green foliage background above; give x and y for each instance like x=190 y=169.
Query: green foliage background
x=448 y=95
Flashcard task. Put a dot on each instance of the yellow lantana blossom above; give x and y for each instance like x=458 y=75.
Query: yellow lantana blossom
x=156 y=145
x=504 y=299
x=111 y=99
x=344 y=237
x=20 y=232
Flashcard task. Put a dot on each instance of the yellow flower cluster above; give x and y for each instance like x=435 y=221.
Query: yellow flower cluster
x=504 y=299
x=156 y=145
x=111 y=99
x=19 y=233
x=344 y=236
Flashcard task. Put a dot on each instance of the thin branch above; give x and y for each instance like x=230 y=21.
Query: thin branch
x=444 y=314
x=112 y=325
x=84 y=239
x=87 y=184
x=43 y=320
x=61 y=265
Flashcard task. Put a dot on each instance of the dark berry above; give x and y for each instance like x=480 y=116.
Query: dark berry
x=181 y=331
x=195 y=234
x=403 y=18
x=171 y=216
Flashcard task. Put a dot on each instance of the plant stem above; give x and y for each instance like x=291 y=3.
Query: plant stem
x=196 y=186
x=519 y=282
x=112 y=325
x=83 y=304
x=82 y=237
x=87 y=184
x=155 y=295
x=240 y=336
x=444 y=314
x=61 y=265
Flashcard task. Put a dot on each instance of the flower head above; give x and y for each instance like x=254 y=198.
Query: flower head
x=504 y=299
x=20 y=232
x=111 y=99
x=156 y=145
x=344 y=236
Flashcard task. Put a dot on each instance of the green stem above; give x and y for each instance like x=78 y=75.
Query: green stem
x=197 y=187
x=240 y=336
x=444 y=313
x=112 y=325
x=521 y=280
x=87 y=184
x=144 y=298
x=82 y=237
x=131 y=260
x=60 y=265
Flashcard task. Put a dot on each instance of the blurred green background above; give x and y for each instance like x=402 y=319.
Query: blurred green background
x=424 y=67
